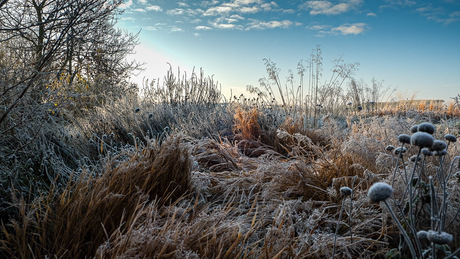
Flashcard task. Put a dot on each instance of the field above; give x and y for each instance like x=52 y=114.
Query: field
x=93 y=165
x=187 y=176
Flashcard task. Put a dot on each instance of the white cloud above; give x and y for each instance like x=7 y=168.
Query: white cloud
x=347 y=29
x=247 y=2
x=256 y=24
x=182 y=4
x=143 y=1
x=398 y=3
x=196 y=34
x=371 y=14
x=126 y=5
x=202 y=28
x=438 y=14
x=151 y=28
x=181 y=11
x=218 y=10
x=176 y=29
x=230 y=26
x=155 y=8
x=176 y=11
x=140 y=10
x=329 y=8
x=289 y=11
x=455 y=14
x=268 y=6
x=238 y=6
x=253 y=9
x=318 y=27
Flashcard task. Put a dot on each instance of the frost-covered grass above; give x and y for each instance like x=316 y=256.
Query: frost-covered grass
x=179 y=177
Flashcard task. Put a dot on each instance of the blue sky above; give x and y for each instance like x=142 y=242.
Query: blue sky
x=413 y=46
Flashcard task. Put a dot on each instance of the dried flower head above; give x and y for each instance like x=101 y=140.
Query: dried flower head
x=414 y=129
x=422 y=139
x=450 y=138
x=426 y=152
x=439 y=238
x=426 y=127
x=404 y=138
x=389 y=148
x=400 y=150
x=438 y=145
x=440 y=153
x=346 y=191
x=379 y=191
x=422 y=235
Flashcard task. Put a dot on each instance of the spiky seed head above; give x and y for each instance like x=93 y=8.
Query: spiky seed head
x=404 y=138
x=440 y=153
x=389 y=148
x=414 y=129
x=439 y=238
x=400 y=150
x=450 y=138
x=438 y=145
x=346 y=191
x=426 y=152
x=422 y=235
x=422 y=139
x=379 y=191
x=426 y=127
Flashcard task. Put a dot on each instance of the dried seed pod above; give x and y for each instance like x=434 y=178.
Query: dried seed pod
x=379 y=191
x=426 y=127
x=422 y=139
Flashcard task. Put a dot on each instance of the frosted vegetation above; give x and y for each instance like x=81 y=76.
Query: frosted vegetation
x=92 y=166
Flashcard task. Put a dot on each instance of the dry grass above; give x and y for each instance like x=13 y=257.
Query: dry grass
x=73 y=223
x=265 y=193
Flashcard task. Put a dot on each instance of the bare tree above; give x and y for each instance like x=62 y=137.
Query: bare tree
x=49 y=38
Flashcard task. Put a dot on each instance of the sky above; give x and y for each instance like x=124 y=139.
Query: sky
x=412 y=46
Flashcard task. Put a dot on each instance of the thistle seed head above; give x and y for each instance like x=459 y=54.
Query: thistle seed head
x=346 y=191
x=426 y=127
x=422 y=139
x=404 y=138
x=389 y=148
x=440 y=153
x=379 y=191
x=439 y=238
x=426 y=152
x=450 y=138
x=414 y=129
x=438 y=145
x=400 y=150
x=422 y=235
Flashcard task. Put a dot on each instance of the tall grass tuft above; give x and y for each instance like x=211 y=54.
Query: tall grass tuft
x=74 y=222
